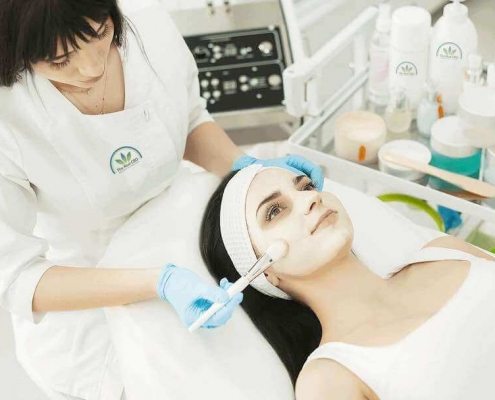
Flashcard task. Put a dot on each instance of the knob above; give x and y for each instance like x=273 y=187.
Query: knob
x=243 y=79
x=244 y=88
x=206 y=95
x=274 y=80
x=205 y=83
x=215 y=82
x=217 y=94
x=266 y=47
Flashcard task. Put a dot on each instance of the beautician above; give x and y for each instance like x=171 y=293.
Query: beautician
x=96 y=113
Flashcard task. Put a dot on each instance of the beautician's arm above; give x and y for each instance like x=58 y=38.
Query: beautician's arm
x=324 y=379
x=73 y=288
x=209 y=147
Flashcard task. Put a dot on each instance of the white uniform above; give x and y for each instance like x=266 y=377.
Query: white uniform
x=451 y=356
x=68 y=181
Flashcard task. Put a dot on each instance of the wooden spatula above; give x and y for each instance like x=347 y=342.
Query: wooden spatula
x=469 y=184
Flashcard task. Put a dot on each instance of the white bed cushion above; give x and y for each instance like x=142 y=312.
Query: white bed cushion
x=159 y=359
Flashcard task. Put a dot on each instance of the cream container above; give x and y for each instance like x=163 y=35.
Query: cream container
x=477 y=116
x=359 y=135
x=410 y=149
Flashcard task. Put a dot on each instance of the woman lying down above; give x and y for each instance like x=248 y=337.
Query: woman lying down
x=343 y=332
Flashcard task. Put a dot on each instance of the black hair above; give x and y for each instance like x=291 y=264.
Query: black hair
x=30 y=30
x=291 y=328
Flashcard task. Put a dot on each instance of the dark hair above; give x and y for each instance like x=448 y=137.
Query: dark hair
x=30 y=30
x=291 y=328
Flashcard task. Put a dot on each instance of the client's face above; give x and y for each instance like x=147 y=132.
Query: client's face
x=315 y=225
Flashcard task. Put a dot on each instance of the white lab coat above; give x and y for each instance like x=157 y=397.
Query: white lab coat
x=68 y=181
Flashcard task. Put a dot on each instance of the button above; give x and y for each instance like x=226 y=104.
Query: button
x=275 y=80
x=259 y=96
x=244 y=88
x=205 y=83
x=215 y=82
x=218 y=56
x=254 y=82
x=243 y=79
x=206 y=95
x=266 y=47
x=217 y=94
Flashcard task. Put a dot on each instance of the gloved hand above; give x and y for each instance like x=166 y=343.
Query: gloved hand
x=191 y=296
x=294 y=163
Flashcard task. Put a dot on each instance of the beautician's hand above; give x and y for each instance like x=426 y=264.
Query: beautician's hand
x=294 y=163
x=191 y=296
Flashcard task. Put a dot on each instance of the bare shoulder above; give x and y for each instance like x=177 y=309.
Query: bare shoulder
x=325 y=379
x=452 y=242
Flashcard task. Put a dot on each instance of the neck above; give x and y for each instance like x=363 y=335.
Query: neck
x=341 y=295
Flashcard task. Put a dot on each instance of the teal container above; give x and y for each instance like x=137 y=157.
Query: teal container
x=450 y=153
x=467 y=166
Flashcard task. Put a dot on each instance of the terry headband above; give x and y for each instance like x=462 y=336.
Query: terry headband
x=234 y=230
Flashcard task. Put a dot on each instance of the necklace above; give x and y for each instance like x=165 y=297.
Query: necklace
x=90 y=92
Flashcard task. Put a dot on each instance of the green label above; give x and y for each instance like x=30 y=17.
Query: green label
x=406 y=68
x=124 y=158
x=449 y=51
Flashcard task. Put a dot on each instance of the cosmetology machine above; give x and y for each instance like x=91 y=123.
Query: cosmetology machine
x=241 y=49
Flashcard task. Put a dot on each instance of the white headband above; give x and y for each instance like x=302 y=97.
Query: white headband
x=234 y=230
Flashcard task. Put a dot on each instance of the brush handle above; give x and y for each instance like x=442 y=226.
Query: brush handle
x=469 y=184
x=237 y=287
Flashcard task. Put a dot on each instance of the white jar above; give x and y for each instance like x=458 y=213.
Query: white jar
x=454 y=38
x=410 y=38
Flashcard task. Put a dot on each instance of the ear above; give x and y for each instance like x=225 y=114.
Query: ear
x=272 y=279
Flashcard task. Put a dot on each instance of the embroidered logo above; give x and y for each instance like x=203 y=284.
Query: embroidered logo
x=124 y=158
x=406 y=69
x=449 y=51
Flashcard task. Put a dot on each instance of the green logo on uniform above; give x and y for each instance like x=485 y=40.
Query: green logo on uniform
x=124 y=158
x=449 y=51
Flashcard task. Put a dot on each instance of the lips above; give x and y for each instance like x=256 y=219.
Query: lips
x=325 y=215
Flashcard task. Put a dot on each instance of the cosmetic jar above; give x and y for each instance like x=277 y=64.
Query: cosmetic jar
x=359 y=135
x=451 y=152
x=410 y=149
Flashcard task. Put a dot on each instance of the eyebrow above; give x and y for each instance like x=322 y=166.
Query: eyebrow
x=70 y=52
x=277 y=193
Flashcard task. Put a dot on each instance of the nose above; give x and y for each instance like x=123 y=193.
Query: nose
x=312 y=199
x=91 y=64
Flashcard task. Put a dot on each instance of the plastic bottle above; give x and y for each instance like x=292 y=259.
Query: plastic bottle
x=379 y=58
x=472 y=74
x=454 y=38
x=490 y=76
x=430 y=110
x=409 y=43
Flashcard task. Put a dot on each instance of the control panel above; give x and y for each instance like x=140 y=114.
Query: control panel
x=240 y=70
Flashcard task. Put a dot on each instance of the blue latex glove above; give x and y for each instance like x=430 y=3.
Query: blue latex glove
x=191 y=296
x=294 y=163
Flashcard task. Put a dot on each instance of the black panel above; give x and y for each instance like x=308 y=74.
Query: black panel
x=240 y=70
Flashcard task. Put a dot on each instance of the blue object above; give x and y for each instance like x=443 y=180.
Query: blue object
x=191 y=296
x=294 y=163
x=467 y=166
x=451 y=218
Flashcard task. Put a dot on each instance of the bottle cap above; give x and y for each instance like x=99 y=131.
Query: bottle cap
x=456 y=11
x=411 y=27
x=447 y=138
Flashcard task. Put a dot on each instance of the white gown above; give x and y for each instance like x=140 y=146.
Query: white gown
x=68 y=181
